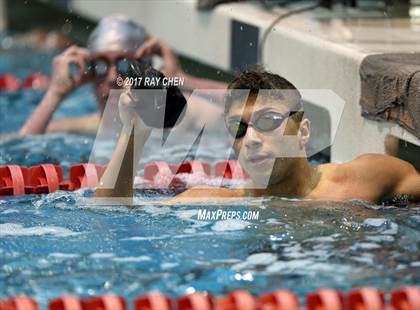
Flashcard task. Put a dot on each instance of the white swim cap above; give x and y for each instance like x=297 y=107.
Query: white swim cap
x=116 y=32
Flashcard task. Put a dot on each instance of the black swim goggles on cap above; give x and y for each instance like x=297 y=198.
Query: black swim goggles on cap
x=267 y=121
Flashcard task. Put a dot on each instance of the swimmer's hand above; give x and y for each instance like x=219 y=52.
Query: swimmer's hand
x=129 y=116
x=62 y=82
x=117 y=180
x=152 y=47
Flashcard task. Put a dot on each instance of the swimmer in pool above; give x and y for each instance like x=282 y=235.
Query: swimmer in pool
x=258 y=129
x=116 y=38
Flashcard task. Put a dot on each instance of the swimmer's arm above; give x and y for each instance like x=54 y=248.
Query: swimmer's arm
x=79 y=125
x=408 y=182
x=391 y=175
x=38 y=121
x=62 y=83
x=192 y=82
x=399 y=176
x=202 y=112
x=171 y=67
x=117 y=181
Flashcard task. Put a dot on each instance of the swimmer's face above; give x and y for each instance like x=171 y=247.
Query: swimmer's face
x=107 y=80
x=261 y=148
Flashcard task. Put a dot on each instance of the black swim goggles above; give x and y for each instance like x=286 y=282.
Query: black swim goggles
x=101 y=65
x=267 y=121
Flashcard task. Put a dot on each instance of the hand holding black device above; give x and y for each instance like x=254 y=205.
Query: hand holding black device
x=157 y=104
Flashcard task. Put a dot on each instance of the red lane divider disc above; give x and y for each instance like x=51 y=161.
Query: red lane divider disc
x=155 y=168
x=159 y=173
x=66 y=185
x=47 y=178
x=13 y=179
x=36 y=81
x=325 y=299
x=163 y=174
x=68 y=302
x=152 y=301
x=85 y=175
x=106 y=302
x=237 y=300
x=279 y=300
x=195 y=301
x=8 y=82
x=19 y=303
x=406 y=298
x=194 y=166
x=44 y=179
x=230 y=169
x=366 y=298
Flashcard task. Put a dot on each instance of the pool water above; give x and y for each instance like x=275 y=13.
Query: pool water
x=53 y=244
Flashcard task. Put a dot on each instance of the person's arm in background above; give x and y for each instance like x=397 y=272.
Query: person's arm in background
x=62 y=83
x=88 y=124
x=199 y=106
x=171 y=67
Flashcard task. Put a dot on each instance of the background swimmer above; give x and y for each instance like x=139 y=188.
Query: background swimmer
x=116 y=38
x=258 y=130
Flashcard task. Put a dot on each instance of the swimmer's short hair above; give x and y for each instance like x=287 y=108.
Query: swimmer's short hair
x=256 y=78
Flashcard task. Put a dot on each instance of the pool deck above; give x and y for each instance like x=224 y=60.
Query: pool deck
x=314 y=50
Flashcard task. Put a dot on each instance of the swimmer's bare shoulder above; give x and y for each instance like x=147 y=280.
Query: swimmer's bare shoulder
x=80 y=125
x=369 y=177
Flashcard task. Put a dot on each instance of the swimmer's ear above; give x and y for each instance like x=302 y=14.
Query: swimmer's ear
x=304 y=132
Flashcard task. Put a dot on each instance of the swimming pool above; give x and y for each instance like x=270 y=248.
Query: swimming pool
x=52 y=245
